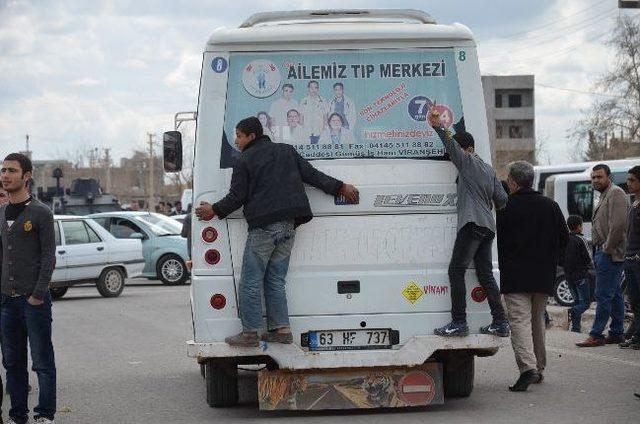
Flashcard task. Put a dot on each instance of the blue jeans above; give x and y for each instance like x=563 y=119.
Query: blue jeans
x=265 y=265
x=632 y=274
x=608 y=296
x=20 y=323
x=582 y=293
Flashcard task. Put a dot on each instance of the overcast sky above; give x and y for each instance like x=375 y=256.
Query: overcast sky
x=79 y=74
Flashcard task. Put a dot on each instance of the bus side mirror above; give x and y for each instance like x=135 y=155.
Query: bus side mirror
x=172 y=151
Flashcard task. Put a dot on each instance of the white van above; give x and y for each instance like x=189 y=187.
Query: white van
x=575 y=195
x=367 y=283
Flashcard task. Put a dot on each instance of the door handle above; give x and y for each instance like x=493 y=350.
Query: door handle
x=62 y=252
x=100 y=248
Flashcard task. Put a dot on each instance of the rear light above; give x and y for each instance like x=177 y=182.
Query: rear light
x=478 y=294
x=212 y=256
x=209 y=235
x=218 y=301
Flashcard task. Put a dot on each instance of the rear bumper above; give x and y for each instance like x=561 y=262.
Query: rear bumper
x=414 y=352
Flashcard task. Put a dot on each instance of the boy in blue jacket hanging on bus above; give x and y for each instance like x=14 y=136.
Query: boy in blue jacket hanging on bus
x=268 y=180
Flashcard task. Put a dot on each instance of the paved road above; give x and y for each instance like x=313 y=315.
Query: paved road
x=123 y=360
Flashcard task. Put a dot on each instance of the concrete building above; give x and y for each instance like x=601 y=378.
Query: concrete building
x=509 y=101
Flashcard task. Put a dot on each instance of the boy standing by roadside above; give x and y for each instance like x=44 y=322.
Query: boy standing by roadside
x=578 y=265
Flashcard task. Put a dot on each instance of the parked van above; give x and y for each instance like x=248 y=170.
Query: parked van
x=367 y=283
x=575 y=195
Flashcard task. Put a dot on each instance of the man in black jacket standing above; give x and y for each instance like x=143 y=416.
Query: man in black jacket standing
x=27 y=248
x=531 y=236
x=632 y=258
x=268 y=180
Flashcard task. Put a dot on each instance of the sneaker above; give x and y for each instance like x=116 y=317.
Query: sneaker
x=43 y=420
x=592 y=342
x=497 y=329
x=453 y=329
x=630 y=344
x=277 y=337
x=243 y=340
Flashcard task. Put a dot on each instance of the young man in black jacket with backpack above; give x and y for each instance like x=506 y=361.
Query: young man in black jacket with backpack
x=578 y=269
x=268 y=180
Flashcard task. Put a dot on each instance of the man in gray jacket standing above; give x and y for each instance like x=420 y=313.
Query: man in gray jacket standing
x=478 y=189
x=27 y=248
x=609 y=239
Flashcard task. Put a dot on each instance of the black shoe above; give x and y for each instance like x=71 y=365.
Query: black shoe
x=501 y=329
x=453 y=329
x=630 y=344
x=526 y=378
x=540 y=378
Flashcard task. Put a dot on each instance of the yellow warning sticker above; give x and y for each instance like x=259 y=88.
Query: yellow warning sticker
x=412 y=292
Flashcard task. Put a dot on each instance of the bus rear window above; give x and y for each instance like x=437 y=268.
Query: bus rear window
x=345 y=104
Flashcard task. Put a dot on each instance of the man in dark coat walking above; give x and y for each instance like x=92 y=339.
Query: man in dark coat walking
x=532 y=233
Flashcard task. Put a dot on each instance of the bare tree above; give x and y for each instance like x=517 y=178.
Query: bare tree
x=542 y=151
x=620 y=111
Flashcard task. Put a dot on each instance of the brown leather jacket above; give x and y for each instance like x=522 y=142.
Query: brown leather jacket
x=610 y=222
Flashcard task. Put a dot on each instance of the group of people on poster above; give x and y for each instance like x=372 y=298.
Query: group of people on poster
x=313 y=119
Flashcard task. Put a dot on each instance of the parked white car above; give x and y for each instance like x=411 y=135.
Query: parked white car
x=87 y=253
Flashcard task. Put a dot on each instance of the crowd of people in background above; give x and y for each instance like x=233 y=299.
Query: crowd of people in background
x=170 y=209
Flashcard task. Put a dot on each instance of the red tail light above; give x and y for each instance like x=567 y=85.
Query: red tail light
x=478 y=294
x=212 y=256
x=218 y=301
x=209 y=235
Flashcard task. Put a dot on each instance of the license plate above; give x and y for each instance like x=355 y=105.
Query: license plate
x=350 y=339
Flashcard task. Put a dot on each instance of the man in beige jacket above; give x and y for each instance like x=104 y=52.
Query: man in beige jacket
x=609 y=240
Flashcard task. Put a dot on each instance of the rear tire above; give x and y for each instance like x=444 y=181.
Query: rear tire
x=222 y=383
x=457 y=376
x=58 y=292
x=111 y=282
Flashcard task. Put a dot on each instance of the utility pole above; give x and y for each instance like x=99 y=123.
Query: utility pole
x=107 y=164
x=152 y=198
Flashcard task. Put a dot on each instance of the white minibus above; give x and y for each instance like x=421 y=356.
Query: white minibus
x=367 y=283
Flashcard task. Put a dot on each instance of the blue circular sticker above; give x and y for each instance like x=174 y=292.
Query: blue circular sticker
x=419 y=107
x=219 y=64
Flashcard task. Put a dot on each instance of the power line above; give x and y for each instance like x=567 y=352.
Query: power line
x=608 y=31
x=568 y=49
x=599 y=3
x=560 y=32
x=573 y=90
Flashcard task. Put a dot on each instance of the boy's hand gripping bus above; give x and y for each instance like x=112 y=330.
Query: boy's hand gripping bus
x=367 y=283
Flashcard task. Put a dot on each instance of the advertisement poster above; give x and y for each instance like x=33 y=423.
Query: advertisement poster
x=341 y=105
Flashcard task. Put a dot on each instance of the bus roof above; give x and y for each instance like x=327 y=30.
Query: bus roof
x=325 y=26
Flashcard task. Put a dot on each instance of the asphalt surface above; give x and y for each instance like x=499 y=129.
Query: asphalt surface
x=124 y=360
